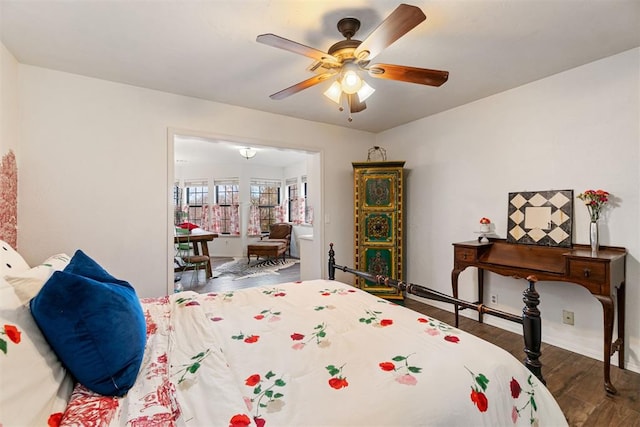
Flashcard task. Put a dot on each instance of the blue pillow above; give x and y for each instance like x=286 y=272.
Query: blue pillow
x=95 y=324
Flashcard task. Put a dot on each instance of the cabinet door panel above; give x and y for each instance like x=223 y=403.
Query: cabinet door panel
x=379 y=228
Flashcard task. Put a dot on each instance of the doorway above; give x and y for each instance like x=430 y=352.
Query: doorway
x=212 y=160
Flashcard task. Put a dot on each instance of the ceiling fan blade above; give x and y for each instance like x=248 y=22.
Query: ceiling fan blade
x=355 y=106
x=403 y=73
x=402 y=20
x=291 y=46
x=301 y=86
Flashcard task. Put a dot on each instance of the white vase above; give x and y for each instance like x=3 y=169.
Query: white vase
x=593 y=236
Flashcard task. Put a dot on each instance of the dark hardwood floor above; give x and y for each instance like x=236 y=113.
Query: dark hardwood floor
x=575 y=381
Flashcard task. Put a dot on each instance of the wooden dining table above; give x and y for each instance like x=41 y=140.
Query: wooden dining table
x=200 y=245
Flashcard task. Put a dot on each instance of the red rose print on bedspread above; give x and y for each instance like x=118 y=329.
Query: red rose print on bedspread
x=435 y=327
x=249 y=339
x=515 y=388
x=239 y=420
x=479 y=387
x=480 y=400
x=319 y=333
x=187 y=302
x=373 y=318
x=275 y=292
x=14 y=335
x=267 y=395
x=404 y=372
x=517 y=392
x=340 y=291
x=337 y=381
x=271 y=316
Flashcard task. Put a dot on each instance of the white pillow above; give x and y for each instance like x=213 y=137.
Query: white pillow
x=28 y=283
x=35 y=386
x=10 y=260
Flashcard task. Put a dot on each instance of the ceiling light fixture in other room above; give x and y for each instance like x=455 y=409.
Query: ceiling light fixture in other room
x=248 y=152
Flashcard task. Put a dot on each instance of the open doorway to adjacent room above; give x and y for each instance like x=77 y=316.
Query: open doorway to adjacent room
x=237 y=190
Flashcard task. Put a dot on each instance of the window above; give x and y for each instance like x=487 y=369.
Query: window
x=197 y=193
x=266 y=195
x=292 y=196
x=308 y=211
x=178 y=217
x=228 y=199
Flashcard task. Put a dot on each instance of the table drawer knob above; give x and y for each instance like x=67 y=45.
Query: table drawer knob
x=587 y=272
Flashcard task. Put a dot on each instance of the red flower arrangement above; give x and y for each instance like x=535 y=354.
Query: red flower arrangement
x=595 y=200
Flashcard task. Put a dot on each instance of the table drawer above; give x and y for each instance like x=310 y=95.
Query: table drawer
x=594 y=272
x=466 y=254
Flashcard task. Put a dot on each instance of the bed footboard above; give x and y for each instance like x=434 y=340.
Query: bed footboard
x=530 y=319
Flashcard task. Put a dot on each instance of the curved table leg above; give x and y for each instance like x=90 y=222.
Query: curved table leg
x=608 y=309
x=454 y=287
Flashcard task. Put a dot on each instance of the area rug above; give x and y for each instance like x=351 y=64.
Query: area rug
x=240 y=269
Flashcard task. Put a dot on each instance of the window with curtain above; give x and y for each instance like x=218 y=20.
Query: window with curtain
x=197 y=194
x=265 y=197
x=227 y=211
x=292 y=196
x=308 y=210
x=178 y=216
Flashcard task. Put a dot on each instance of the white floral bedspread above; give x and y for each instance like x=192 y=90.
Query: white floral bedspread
x=314 y=353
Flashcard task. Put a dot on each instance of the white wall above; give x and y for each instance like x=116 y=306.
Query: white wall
x=94 y=169
x=576 y=130
x=9 y=104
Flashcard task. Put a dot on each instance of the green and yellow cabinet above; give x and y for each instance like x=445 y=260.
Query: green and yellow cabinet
x=379 y=229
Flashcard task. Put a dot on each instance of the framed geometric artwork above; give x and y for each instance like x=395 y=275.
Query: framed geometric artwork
x=542 y=218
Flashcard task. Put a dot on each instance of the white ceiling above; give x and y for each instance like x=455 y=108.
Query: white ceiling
x=193 y=150
x=208 y=49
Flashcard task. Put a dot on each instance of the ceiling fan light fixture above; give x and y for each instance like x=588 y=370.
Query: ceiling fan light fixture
x=351 y=82
x=365 y=91
x=248 y=152
x=334 y=92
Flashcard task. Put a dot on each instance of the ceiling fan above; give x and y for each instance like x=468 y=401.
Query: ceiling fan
x=346 y=58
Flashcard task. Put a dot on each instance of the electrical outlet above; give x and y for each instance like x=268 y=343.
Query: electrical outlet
x=494 y=299
x=567 y=317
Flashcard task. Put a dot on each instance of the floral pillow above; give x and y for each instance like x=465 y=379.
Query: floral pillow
x=28 y=283
x=34 y=387
x=10 y=260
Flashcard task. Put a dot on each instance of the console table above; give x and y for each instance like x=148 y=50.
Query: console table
x=602 y=273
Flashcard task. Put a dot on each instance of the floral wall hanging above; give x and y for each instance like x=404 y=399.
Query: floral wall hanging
x=9 y=199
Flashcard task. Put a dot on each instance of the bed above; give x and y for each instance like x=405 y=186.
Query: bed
x=311 y=353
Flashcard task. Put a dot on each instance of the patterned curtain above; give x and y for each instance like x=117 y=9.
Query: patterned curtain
x=279 y=211
x=235 y=220
x=216 y=219
x=205 y=219
x=301 y=205
x=298 y=206
x=310 y=215
x=254 y=221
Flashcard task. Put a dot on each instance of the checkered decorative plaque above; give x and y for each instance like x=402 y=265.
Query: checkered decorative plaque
x=540 y=218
